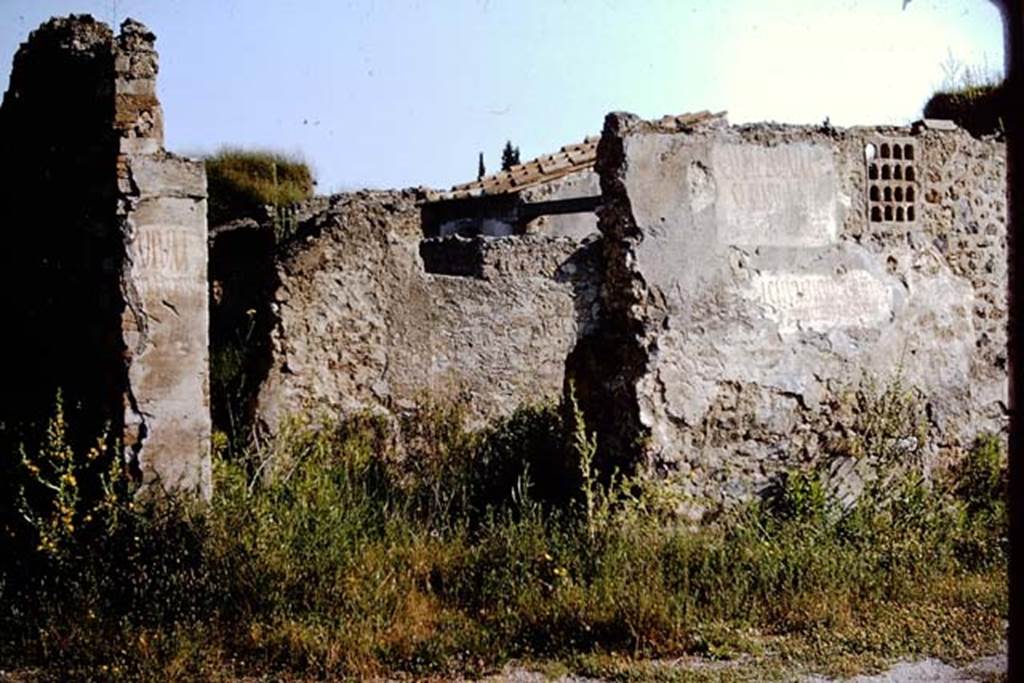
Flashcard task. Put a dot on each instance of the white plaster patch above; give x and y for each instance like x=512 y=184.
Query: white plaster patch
x=797 y=301
x=783 y=196
x=701 y=185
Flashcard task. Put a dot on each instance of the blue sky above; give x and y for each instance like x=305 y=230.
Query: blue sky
x=407 y=92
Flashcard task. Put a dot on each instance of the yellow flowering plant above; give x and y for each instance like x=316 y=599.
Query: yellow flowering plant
x=64 y=493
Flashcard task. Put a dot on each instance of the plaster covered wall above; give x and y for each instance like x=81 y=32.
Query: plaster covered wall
x=747 y=288
x=584 y=183
x=361 y=325
x=165 y=325
x=739 y=290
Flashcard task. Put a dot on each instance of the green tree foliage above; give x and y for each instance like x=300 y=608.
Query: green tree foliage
x=481 y=170
x=241 y=182
x=509 y=156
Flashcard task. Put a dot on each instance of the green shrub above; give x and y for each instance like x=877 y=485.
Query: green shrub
x=801 y=496
x=981 y=110
x=890 y=428
x=980 y=479
x=241 y=182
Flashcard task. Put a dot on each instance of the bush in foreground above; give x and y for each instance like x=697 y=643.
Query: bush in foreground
x=355 y=561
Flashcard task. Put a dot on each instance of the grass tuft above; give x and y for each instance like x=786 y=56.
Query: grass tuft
x=241 y=182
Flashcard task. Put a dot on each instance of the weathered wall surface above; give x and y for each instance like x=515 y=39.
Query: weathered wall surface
x=510 y=211
x=362 y=325
x=162 y=206
x=105 y=277
x=747 y=286
x=584 y=183
x=490 y=258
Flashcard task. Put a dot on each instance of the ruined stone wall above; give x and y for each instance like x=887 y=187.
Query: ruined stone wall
x=489 y=258
x=162 y=207
x=748 y=285
x=363 y=326
x=746 y=281
x=105 y=271
x=60 y=290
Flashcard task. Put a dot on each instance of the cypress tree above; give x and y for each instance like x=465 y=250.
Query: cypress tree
x=509 y=156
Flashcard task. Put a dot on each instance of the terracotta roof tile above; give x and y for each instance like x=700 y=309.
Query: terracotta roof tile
x=570 y=158
x=552 y=163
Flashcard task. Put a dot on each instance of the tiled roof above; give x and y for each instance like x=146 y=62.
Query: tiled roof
x=568 y=159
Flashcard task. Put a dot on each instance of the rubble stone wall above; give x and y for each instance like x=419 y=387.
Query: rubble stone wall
x=489 y=257
x=361 y=325
x=750 y=283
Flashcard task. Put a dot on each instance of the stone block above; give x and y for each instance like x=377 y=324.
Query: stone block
x=169 y=176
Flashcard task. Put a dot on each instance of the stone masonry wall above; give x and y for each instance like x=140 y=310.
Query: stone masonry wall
x=491 y=257
x=756 y=273
x=105 y=269
x=60 y=291
x=162 y=211
x=362 y=326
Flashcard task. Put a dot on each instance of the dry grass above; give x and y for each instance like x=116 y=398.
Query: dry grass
x=241 y=182
x=448 y=562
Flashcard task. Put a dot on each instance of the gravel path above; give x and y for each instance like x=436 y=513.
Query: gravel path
x=984 y=670
x=932 y=671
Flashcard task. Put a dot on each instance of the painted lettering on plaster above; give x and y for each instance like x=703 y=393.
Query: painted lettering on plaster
x=168 y=252
x=822 y=302
x=782 y=196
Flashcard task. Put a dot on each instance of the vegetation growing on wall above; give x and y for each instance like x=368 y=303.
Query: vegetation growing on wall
x=449 y=555
x=974 y=97
x=241 y=182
